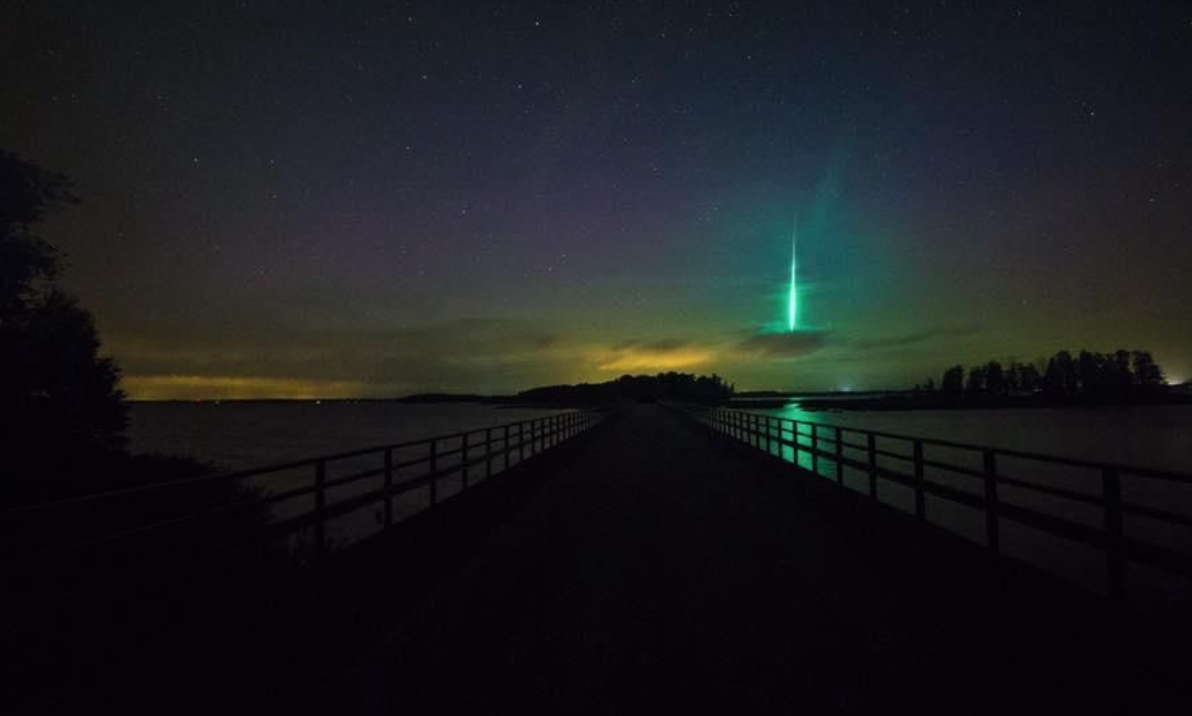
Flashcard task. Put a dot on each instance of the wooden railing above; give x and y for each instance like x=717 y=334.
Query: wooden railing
x=833 y=449
x=299 y=498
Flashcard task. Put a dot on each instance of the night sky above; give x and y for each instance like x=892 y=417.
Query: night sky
x=372 y=198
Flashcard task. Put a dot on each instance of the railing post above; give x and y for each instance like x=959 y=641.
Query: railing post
x=1115 y=553
x=320 y=509
x=463 y=462
x=388 y=487
x=521 y=442
x=795 y=433
x=920 y=498
x=815 y=448
x=871 y=444
x=434 y=472
x=992 y=526
x=789 y=426
x=488 y=453
x=769 y=445
x=839 y=458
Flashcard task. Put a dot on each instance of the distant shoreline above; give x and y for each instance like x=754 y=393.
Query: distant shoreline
x=904 y=402
x=415 y=399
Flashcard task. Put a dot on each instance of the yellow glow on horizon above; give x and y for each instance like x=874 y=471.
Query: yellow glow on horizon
x=654 y=360
x=228 y=387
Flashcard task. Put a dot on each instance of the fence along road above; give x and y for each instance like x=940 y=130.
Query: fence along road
x=667 y=570
x=963 y=477
x=297 y=504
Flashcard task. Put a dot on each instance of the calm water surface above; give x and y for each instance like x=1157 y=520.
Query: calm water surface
x=1158 y=437
x=1146 y=436
x=238 y=435
x=241 y=435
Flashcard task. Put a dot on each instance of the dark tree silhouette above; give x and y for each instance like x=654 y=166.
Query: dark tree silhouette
x=27 y=262
x=1148 y=378
x=976 y=380
x=995 y=378
x=1028 y=378
x=1118 y=377
x=953 y=381
x=1061 y=376
x=680 y=387
x=61 y=409
x=1089 y=370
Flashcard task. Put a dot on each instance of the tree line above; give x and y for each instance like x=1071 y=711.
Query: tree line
x=1118 y=376
x=679 y=387
x=62 y=413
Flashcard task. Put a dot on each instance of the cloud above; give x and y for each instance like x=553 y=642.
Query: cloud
x=911 y=339
x=474 y=355
x=656 y=356
x=661 y=345
x=235 y=387
x=783 y=345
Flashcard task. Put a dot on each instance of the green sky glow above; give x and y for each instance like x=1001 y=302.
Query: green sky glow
x=793 y=300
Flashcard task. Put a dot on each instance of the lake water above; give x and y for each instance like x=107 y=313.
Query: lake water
x=243 y=435
x=1156 y=437
x=238 y=435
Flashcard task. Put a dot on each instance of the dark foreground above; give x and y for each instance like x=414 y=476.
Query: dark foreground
x=666 y=572
x=646 y=567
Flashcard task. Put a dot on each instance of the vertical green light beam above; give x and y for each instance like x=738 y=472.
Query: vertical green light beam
x=793 y=308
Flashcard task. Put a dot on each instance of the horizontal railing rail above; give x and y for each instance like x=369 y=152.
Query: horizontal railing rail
x=838 y=447
x=43 y=535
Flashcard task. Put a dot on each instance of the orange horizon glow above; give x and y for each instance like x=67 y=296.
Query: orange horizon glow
x=223 y=387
